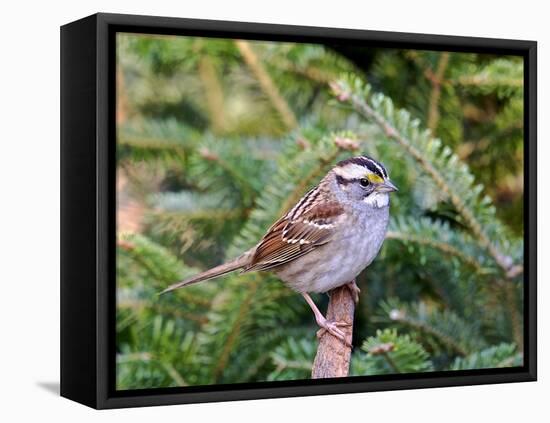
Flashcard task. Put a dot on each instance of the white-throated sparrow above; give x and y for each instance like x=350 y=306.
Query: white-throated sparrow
x=326 y=239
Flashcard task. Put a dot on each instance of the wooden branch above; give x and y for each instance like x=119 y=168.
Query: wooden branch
x=436 y=79
x=510 y=301
x=122 y=106
x=214 y=93
x=333 y=356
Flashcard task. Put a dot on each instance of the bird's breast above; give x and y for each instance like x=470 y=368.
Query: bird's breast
x=342 y=259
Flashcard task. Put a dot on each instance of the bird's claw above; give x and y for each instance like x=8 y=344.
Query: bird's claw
x=334 y=329
x=355 y=291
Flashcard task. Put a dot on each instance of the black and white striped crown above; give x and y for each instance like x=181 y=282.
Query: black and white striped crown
x=354 y=167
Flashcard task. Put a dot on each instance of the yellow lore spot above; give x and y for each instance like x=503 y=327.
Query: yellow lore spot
x=374 y=178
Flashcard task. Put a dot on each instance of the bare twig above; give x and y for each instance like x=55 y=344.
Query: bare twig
x=267 y=84
x=333 y=356
x=214 y=93
x=121 y=97
x=480 y=80
x=510 y=300
x=312 y=73
x=436 y=80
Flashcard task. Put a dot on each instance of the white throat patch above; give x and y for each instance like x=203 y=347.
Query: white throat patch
x=377 y=199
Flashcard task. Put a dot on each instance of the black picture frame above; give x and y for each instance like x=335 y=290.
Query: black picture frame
x=88 y=222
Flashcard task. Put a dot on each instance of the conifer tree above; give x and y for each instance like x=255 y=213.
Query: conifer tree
x=217 y=139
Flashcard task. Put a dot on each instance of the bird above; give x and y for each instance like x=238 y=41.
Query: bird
x=326 y=240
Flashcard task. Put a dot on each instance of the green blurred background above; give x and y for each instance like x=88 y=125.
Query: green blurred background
x=217 y=138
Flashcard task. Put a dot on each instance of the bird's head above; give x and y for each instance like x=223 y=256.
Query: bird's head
x=363 y=179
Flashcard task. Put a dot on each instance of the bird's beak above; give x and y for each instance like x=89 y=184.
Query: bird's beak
x=386 y=186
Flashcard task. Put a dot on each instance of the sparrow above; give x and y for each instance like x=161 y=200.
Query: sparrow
x=332 y=233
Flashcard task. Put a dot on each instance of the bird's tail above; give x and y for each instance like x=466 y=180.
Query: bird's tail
x=220 y=270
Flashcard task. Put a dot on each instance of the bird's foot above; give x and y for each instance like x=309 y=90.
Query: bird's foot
x=334 y=329
x=355 y=290
x=327 y=326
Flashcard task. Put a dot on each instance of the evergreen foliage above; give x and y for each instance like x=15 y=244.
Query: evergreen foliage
x=389 y=353
x=216 y=139
x=502 y=355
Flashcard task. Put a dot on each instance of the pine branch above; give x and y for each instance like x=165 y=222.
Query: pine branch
x=310 y=179
x=436 y=80
x=312 y=73
x=219 y=198
x=234 y=331
x=333 y=356
x=446 y=327
x=160 y=266
x=510 y=301
x=213 y=92
x=150 y=360
x=379 y=109
x=502 y=77
x=152 y=144
x=173 y=373
x=138 y=305
x=503 y=355
x=438 y=236
x=389 y=353
x=267 y=84
x=167 y=140
x=293 y=358
x=443 y=247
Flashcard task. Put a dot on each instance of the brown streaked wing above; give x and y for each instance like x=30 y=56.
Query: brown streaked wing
x=289 y=239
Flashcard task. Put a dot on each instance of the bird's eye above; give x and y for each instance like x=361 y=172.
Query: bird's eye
x=364 y=182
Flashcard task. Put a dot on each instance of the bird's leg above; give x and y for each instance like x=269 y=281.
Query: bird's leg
x=326 y=325
x=354 y=289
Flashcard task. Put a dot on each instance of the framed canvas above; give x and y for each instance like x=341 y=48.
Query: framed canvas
x=257 y=211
